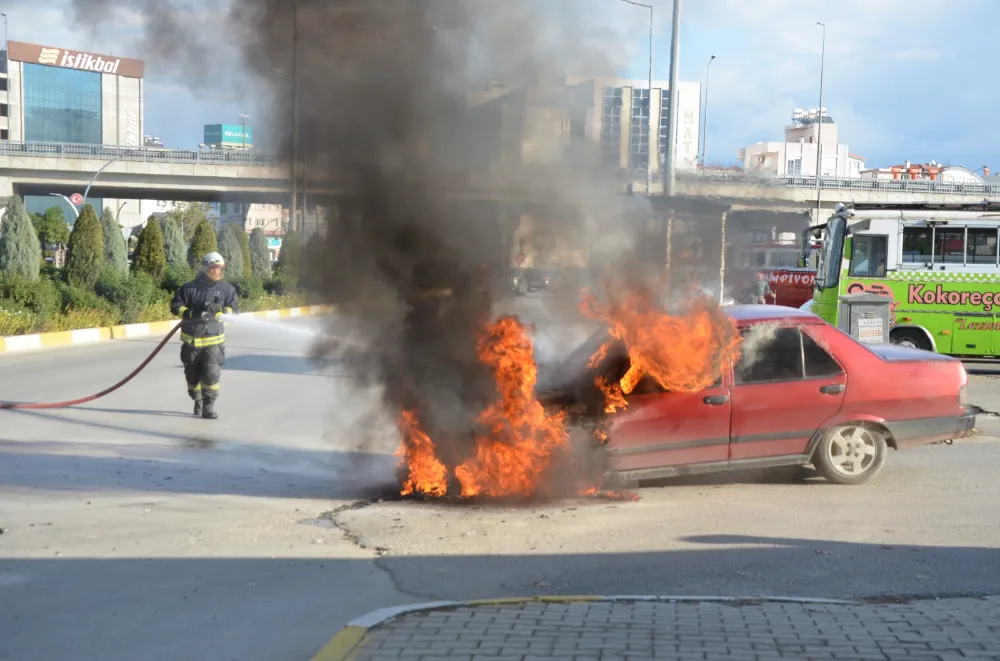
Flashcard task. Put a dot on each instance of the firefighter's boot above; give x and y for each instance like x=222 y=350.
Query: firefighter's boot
x=196 y=396
x=208 y=410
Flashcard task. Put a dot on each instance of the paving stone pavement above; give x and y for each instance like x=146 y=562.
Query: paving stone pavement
x=946 y=629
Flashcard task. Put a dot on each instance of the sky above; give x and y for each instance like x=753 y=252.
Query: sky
x=903 y=79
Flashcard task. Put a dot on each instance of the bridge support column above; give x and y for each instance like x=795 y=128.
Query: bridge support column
x=6 y=189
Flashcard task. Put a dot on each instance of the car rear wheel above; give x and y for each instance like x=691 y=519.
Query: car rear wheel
x=851 y=454
x=909 y=337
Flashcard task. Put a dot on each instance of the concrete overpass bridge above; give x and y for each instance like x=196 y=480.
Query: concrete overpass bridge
x=36 y=168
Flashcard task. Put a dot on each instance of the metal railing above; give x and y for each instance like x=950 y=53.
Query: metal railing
x=141 y=154
x=851 y=183
x=251 y=157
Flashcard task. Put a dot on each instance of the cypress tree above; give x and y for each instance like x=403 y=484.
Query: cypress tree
x=150 y=255
x=291 y=255
x=260 y=256
x=20 y=250
x=86 y=250
x=229 y=247
x=244 y=240
x=115 y=251
x=203 y=242
x=173 y=244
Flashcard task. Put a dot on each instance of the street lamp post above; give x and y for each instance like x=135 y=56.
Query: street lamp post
x=819 y=130
x=704 y=124
x=244 y=117
x=86 y=192
x=5 y=42
x=76 y=212
x=649 y=100
x=675 y=60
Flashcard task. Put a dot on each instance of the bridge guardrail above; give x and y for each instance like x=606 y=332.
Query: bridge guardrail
x=250 y=157
x=851 y=183
x=141 y=154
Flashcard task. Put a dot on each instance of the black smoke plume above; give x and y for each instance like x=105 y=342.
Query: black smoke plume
x=446 y=123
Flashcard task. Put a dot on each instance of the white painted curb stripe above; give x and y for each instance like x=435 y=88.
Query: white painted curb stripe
x=274 y=314
x=382 y=615
x=23 y=342
x=87 y=336
x=136 y=330
x=375 y=618
x=295 y=312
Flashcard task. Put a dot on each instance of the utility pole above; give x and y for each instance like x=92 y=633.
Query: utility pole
x=819 y=129
x=670 y=185
x=293 y=175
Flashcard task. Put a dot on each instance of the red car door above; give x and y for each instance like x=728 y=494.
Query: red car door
x=664 y=429
x=785 y=387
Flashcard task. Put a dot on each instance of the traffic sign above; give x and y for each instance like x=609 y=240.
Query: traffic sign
x=76 y=199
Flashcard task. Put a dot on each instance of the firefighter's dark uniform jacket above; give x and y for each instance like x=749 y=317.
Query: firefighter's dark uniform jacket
x=193 y=297
x=200 y=304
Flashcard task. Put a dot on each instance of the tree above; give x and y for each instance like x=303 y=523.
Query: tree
x=51 y=227
x=203 y=242
x=20 y=252
x=115 y=251
x=312 y=261
x=150 y=255
x=173 y=244
x=244 y=240
x=291 y=255
x=189 y=216
x=229 y=246
x=86 y=250
x=260 y=256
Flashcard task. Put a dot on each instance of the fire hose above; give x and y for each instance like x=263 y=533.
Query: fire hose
x=98 y=395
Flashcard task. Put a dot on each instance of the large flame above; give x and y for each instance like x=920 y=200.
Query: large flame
x=520 y=439
x=521 y=436
x=680 y=353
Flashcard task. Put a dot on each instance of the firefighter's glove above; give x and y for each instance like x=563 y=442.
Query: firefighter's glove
x=190 y=314
x=213 y=309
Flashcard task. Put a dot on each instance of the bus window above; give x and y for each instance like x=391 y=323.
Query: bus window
x=868 y=255
x=982 y=248
x=917 y=244
x=949 y=246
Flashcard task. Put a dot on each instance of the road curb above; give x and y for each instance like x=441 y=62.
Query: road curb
x=353 y=634
x=35 y=341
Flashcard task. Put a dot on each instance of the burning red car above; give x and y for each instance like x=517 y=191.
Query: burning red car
x=800 y=392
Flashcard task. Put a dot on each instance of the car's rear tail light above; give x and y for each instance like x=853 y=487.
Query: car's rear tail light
x=962 y=398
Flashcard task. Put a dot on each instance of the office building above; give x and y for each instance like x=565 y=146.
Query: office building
x=53 y=94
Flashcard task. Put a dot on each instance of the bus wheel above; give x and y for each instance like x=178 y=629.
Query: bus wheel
x=909 y=337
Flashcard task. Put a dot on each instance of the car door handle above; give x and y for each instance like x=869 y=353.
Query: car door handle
x=716 y=400
x=835 y=389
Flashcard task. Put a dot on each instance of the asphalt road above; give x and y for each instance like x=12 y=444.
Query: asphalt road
x=135 y=532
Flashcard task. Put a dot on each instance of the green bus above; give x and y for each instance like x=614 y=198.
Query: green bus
x=940 y=268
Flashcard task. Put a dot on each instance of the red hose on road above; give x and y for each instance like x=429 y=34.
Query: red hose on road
x=106 y=391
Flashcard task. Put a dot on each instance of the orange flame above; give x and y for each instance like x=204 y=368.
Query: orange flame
x=521 y=439
x=426 y=474
x=521 y=436
x=683 y=353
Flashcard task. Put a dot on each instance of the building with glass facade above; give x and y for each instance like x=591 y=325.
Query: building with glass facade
x=61 y=105
x=50 y=94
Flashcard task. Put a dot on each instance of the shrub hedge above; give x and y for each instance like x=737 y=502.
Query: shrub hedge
x=50 y=303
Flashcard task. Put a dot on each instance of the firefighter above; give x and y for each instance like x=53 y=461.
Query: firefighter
x=201 y=304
